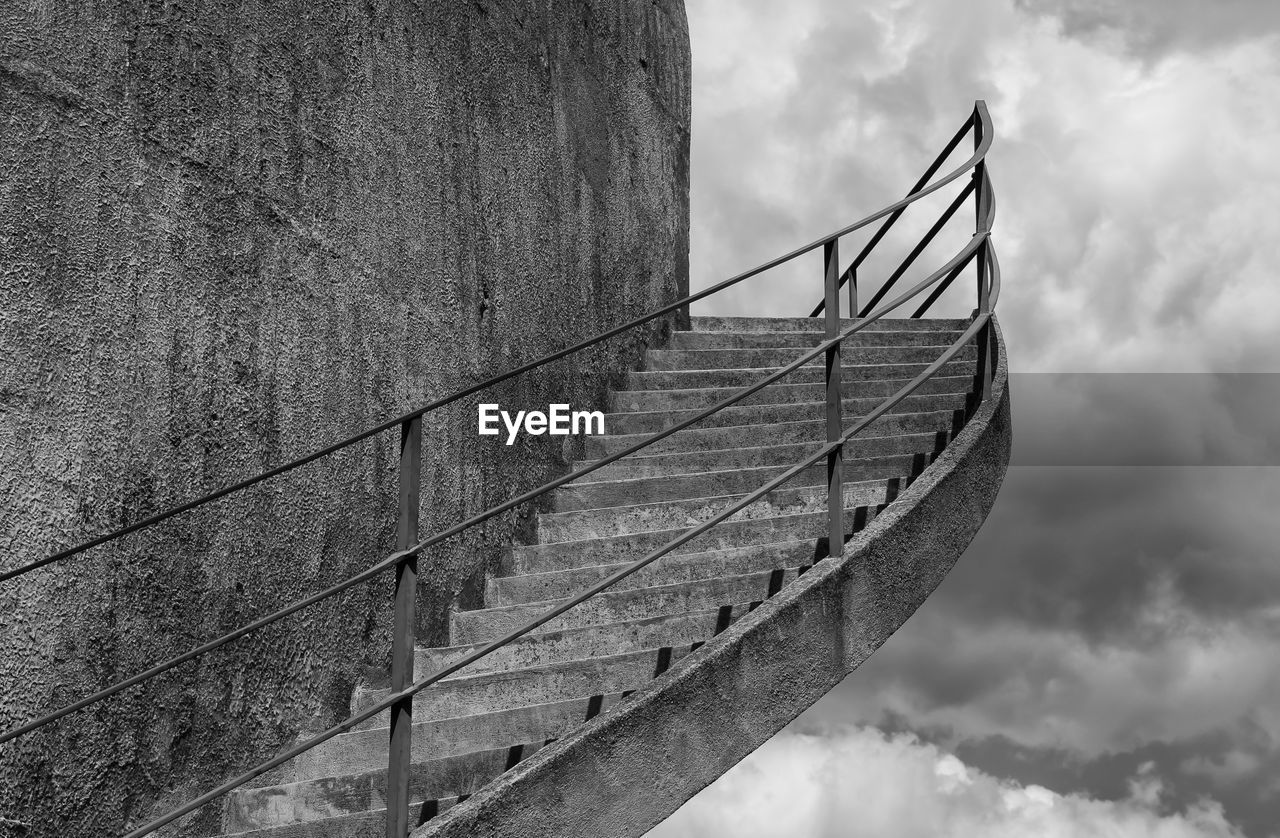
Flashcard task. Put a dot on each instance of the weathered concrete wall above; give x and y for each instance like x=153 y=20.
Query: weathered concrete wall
x=230 y=234
x=685 y=728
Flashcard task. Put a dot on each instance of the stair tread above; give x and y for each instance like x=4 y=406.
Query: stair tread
x=779 y=392
x=578 y=578
x=753 y=324
x=763 y=470
x=790 y=453
x=610 y=607
x=572 y=525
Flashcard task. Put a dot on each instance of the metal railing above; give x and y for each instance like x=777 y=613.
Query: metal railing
x=409 y=545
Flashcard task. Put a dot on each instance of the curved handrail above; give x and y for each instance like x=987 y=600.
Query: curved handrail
x=390 y=561
x=978 y=246
x=980 y=114
x=392 y=699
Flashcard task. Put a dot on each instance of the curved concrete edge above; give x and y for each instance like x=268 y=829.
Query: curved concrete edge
x=625 y=771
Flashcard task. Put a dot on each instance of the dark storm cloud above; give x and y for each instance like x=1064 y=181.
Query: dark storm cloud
x=1147 y=419
x=1154 y=28
x=1085 y=550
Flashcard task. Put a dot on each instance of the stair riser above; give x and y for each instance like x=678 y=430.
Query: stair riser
x=850 y=375
x=541 y=558
x=750 y=436
x=366 y=750
x=353 y=793
x=641 y=401
x=622 y=606
x=746 y=325
x=560 y=527
x=493 y=692
x=371 y=824
x=768 y=414
x=808 y=340
x=730 y=359
x=726 y=481
x=687 y=567
x=636 y=467
x=594 y=641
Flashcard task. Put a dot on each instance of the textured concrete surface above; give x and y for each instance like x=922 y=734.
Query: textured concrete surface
x=230 y=234
x=480 y=721
x=625 y=770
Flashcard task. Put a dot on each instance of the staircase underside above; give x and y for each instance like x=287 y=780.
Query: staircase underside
x=606 y=720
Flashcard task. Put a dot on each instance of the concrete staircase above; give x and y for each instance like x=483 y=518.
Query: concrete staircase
x=483 y=721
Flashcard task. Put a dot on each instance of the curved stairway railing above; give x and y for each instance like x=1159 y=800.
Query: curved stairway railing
x=409 y=546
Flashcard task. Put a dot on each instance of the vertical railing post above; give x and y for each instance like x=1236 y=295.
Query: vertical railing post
x=853 y=292
x=835 y=485
x=402 y=641
x=982 y=372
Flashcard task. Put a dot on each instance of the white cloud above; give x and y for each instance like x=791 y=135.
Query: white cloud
x=1137 y=224
x=852 y=782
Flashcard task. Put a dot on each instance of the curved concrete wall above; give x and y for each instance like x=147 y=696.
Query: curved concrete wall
x=231 y=234
x=624 y=771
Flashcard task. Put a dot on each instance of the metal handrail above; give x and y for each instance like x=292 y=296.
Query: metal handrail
x=390 y=561
x=388 y=701
x=892 y=209
x=988 y=287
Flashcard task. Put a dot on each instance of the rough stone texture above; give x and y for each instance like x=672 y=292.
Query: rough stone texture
x=621 y=773
x=231 y=234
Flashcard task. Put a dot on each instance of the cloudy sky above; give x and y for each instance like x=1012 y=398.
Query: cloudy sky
x=1105 y=659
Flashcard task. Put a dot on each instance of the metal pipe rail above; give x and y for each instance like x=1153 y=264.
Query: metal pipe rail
x=392 y=560
x=978 y=325
x=895 y=209
x=409 y=547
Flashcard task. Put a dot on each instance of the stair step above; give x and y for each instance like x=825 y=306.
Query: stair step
x=371 y=824
x=818 y=324
x=559 y=527
x=626 y=548
x=677 y=567
x=487 y=624
x=808 y=339
x=850 y=375
x=768 y=414
x=693 y=462
x=350 y=794
x=490 y=692
x=591 y=641
x=613 y=494
x=639 y=401
x=366 y=749
x=730 y=359
x=781 y=433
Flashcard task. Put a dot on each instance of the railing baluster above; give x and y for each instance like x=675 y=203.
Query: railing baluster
x=835 y=485
x=982 y=373
x=853 y=291
x=402 y=640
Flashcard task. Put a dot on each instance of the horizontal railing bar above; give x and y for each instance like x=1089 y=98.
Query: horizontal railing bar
x=556 y=611
x=919 y=248
x=489 y=513
x=889 y=222
x=978 y=154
